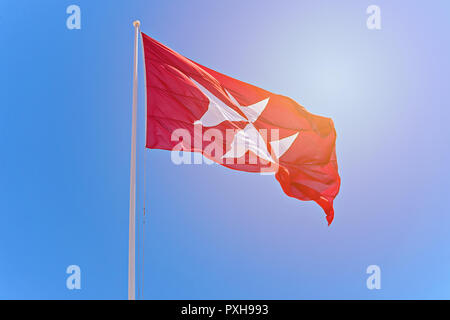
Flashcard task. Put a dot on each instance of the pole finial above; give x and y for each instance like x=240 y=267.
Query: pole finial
x=136 y=23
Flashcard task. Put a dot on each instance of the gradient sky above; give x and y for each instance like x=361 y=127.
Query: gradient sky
x=212 y=232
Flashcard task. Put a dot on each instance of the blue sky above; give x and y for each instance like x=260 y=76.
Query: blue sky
x=211 y=232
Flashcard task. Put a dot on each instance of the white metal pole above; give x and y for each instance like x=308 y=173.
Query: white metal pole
x=132 y=223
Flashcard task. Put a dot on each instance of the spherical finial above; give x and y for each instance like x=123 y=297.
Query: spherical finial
x=136 y=23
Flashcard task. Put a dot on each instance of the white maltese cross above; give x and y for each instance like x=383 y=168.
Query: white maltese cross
x=249 y=138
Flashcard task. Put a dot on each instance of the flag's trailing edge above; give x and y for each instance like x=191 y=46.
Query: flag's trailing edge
x=270 y=132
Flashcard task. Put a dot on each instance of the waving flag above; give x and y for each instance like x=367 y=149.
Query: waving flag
x=240 y=126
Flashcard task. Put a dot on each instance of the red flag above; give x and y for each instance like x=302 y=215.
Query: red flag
x=193 y=108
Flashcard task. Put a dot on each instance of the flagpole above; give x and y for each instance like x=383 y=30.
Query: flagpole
x=132 y=221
